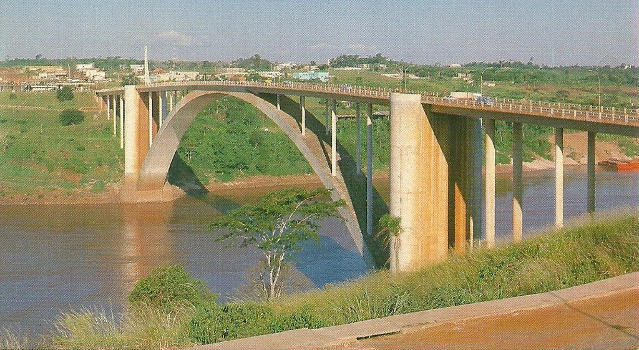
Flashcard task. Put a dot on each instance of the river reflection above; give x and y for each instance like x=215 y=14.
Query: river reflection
x=57 y=258
x=54 y=258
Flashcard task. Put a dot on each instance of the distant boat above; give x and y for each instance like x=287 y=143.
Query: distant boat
x=621 y=165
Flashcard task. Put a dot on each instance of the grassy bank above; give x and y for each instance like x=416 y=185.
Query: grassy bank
x=592 y=251
x=38 y=155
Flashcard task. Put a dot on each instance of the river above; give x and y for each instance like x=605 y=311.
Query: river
x=56 y=258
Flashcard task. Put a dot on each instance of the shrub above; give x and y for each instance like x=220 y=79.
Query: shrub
x=214 y=323
x=64 y=94
x=71 y=117
x=170 y=287
x=13 y=96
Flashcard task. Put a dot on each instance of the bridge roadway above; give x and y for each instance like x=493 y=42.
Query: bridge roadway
x=436 y=153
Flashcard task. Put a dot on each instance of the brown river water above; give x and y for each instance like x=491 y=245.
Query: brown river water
x=56 y=258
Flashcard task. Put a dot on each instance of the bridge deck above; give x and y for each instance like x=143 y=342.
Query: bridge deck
x=590 y=118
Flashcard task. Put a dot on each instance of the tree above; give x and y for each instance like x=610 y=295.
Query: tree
x=277 y=225
x=71 y=117
x=129 y=80
x=64 y=94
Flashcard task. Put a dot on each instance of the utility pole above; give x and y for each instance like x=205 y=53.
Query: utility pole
x=147 y=78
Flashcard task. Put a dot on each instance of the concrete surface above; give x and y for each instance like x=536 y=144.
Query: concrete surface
x=602 y=314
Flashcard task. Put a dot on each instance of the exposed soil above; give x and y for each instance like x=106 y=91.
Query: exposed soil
x=575 y=153
x=607 y=322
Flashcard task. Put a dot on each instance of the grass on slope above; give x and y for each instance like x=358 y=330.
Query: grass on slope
x=38 y=155
x=592 y=251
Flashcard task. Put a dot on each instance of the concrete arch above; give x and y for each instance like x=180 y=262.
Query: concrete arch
x=154 y=171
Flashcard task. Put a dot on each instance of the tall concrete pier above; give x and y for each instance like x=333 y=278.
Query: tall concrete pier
x=418 y=184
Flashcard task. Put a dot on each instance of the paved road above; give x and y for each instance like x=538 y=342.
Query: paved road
x=609 y=322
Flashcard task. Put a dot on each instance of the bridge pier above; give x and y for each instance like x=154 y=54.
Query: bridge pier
x=559 y=177
x=358 y=153
x=108 y=107
x=419 y=184
x=369 y=169
x=489 y=182
x=328 y=118
x=517 y=187
x=115 y=118
x=333 y=138
x=591 y=172
x=121 y=121
x=278 y=102
x=303 y=111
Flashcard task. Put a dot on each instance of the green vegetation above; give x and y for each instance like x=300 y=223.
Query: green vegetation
x=629 y=146
x=277 y=224
x=168 y=288
x=71 y=117
x=559 y=259
x=231 y=139
x=38 y=155
x=64 y=94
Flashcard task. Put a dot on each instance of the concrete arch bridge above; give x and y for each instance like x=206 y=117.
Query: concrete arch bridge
x=437 y=148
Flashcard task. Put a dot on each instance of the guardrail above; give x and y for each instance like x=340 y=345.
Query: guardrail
x=549 y=109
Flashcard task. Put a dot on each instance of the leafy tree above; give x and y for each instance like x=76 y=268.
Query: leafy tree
x=71 y=117
x=277 y=225
x=129 y=80
x=64 y=94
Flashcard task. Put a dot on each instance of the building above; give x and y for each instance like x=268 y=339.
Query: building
x=311 y=75
x=270 y=75
x=162 y=76
x=282 y=66
x=137 y=68
x=84 y=66
x=454 y=65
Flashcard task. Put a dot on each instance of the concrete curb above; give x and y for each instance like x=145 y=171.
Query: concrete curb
x=406 y=323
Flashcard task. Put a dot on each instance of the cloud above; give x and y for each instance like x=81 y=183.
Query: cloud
x=177 y=38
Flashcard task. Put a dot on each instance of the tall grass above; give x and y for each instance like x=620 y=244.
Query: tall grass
x=139 y=328
x=559 y=259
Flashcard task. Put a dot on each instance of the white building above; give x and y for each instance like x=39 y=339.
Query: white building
x=84 y=66
x=137 y=68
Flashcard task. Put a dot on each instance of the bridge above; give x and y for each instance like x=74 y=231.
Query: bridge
x=436 y=182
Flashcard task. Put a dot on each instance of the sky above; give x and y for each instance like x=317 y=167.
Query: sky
x=588 y=32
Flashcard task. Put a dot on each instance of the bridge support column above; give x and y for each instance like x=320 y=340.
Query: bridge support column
x=559 y=177
x=591 y=172
x=303 y=107
x=517 y=187
x=115 y=117
x=121 y=121
x=136 y=133
x=278 y=102
x=328 y=118
x=161 y=102
x=358 y=153
x=170 y=93
x=369 y=169
x=489 y=181
x=419 y=184
x=150 y=121
x=333 y=139
x=465 y=174
x=108 y=107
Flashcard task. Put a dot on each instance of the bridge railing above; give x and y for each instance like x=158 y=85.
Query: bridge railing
x=549 y=109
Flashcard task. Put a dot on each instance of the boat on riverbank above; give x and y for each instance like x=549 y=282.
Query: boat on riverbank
x=621 y=165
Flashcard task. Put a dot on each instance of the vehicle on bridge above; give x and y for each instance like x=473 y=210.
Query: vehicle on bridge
x=485 y=100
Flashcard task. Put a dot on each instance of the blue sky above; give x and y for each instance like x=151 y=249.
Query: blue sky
x=552 y=32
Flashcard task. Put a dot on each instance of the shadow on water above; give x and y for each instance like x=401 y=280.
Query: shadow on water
x=182 y=175
x=327 y=261
x=355 y=183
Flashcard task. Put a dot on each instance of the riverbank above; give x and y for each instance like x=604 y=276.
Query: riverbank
x=259 y=185
x=573 y=256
